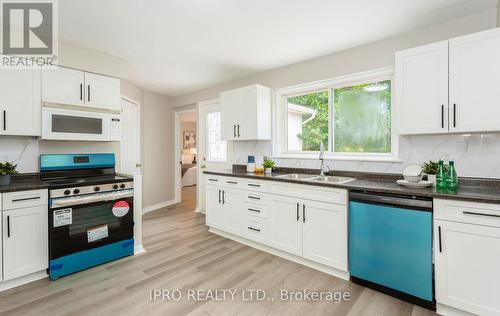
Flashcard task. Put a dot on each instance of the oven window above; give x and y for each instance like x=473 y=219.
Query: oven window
x=76 y=124
x=86 y=217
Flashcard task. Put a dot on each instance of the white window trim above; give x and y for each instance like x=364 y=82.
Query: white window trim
x=280 y=133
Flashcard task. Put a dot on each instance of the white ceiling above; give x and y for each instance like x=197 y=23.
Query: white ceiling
x=179 y=46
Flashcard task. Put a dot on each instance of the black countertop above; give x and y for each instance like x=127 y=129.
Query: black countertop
x=470 y=189
x=25 y=182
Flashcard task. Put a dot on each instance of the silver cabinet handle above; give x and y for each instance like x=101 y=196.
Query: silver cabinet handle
x=234 y=130
x=239 y=130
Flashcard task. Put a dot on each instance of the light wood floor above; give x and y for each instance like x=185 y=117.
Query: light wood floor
x=182 y=254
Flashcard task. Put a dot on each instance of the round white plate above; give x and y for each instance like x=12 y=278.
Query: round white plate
x=421 y=184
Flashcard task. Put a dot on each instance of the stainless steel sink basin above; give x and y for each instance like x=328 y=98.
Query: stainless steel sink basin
x=332 y=179
x=296 y=176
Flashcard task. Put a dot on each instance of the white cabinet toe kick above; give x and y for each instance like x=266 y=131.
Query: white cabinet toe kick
x=301 y=223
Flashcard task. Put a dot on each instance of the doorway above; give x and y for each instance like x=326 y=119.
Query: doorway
x=214 y=153
x=186 y=170
x=130 y=160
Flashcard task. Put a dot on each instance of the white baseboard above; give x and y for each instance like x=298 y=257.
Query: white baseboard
x=138 y=249
x=446 y=310
x=158 y=206
x=23 y=280
x=311 y=264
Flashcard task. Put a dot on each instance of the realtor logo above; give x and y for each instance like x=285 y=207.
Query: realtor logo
x=29 y=30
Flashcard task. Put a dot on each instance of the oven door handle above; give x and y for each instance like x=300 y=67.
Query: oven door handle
x=90 y=198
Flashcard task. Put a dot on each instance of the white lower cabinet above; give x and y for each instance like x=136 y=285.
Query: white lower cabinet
x=283 y=218
x=467 y=257
x=24 y=246
x=25 y=241
x=325 y=234
x=232 y=202
x=286 y=225
x=215 y=210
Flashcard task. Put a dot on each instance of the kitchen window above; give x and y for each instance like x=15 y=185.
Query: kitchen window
x=352 y=116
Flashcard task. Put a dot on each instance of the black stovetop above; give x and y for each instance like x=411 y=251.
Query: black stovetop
x=84 y=181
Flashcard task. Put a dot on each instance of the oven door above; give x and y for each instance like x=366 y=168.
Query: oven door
x=63 y=124
x=74 y=228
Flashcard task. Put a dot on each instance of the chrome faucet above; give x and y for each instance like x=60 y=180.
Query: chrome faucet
x=321 y=158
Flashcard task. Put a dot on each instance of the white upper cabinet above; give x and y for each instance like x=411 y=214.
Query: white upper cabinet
x=463 y=70
x=422 y=89
x=102 y=91
x=246 y=113
x=474 y=78
x=63 y=85
x=20 y=102
x=75 y=87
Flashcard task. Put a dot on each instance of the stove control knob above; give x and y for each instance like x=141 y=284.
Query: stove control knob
x=97 y=189
x=122 y=185
x=115 y=186
x=67 y=192
x=76 y=191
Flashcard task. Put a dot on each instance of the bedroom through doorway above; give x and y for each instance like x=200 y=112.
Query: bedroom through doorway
x=187 y=148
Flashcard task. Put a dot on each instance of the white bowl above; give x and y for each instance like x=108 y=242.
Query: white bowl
x=413 y=179
x=412 y=170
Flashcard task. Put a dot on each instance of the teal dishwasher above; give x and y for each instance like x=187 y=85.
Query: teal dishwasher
x=390 y=245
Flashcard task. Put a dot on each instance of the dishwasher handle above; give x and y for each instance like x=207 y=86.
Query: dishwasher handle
x=413 y=202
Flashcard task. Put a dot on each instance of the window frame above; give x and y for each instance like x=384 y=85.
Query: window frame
x=280 y=124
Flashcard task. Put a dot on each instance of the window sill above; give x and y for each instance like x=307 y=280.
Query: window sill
x=336 y=157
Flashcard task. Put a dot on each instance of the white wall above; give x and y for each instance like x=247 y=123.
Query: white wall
x=467 y=151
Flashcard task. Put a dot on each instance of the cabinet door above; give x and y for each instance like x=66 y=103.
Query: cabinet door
x=20 y=102
x=466 y=266
x=325 y=233
x=102 y=91
x=286 y=224
x=247 y=129
x=422 y=89
x=233 y=204
x=474 y=78
x=230 y=102
x=25 y=241
x=63 y=85
x=215 y=210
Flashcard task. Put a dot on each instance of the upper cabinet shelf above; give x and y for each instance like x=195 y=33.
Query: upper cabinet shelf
x=450 y=86
x=246 y=113
x=76 y=87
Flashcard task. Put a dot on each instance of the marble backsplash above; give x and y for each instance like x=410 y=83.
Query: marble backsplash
x=476 y=155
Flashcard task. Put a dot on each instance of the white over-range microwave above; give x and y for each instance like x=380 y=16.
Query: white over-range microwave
x=74 y=124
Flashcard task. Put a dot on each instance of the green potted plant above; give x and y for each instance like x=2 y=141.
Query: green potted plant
x=6 y=170
x=430 y=168
x=269 y=165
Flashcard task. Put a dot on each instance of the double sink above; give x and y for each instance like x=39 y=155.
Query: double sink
x=315 y=178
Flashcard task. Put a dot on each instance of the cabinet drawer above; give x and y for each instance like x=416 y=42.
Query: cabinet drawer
x=257 y=229
x=256 y=186
x=314 y=193
x=210 y=179
x=257 y=210
x=257 y=198
x=467 y=212
x=22 y=199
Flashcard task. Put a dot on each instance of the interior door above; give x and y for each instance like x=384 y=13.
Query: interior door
x=474 y=77
x=325 y=233
x=102 y=91
x=422 y=89
x=63 y=85
x=130 y=159
x=20 y=102
x=214 y=152
x=466 y=266
x=286 y=227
